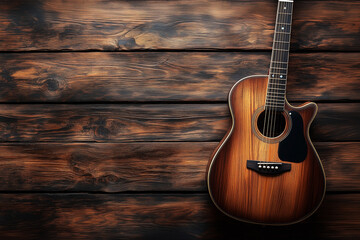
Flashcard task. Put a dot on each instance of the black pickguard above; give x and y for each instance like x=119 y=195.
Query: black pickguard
x=294 y=148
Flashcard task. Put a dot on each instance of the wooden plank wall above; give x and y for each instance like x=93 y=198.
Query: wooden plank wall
x=110 y=110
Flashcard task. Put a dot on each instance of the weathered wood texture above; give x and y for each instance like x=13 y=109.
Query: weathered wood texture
x=151 y=122
x=171 y=216
x=122 y=163
x=168 y=76
x=118 y=25
x=117 y=167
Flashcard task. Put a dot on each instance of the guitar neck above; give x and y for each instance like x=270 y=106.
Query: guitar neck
x=275 y=97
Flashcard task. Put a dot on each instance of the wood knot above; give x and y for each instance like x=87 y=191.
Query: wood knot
x=52 y=86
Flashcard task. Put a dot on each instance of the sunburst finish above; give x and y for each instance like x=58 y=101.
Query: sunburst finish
x=247 y=195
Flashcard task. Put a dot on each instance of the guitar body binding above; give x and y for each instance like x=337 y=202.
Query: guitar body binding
x=249 y=194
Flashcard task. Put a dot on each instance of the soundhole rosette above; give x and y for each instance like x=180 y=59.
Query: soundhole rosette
x=275 y=135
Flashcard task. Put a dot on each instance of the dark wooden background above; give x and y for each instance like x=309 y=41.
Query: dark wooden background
x=110 y=110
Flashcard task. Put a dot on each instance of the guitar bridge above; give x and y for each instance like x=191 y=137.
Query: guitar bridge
x=268 y=168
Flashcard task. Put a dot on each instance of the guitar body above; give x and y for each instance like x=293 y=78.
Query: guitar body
x=265 y=196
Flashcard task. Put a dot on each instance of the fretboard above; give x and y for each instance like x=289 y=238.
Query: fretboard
x=275 y=97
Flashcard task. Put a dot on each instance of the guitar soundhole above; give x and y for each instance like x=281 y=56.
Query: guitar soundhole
x=271 y=123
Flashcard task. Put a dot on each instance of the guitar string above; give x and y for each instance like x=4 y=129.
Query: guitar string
x=268 y=98
x=274 y=72
x=269 y=126
x=273 y=75
x=280 y=57
x=287 y=19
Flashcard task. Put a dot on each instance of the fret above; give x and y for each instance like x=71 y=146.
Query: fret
x=280 y=57
x=279 y=84
x=279 y=36
x=283 y=32
x=278 y=81
x=281 y=45
x=278 y=105
x=276 y=88
x=278 y=71
x=278 y=48
x=280 y=74
x=275 y=103
x=276 y=74
x=278 y=68
x=277 y=96
x=278 y=62
x=287 y=22
x=284 y=50
x=281 y=78
x=277 y=92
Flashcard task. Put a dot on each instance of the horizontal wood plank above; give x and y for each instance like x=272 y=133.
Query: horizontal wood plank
x=168 y=76
x=150 y=122
x=118 y=167
x=119 y=25
x=169 y=216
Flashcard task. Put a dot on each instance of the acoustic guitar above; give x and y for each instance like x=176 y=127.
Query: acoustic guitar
x=266 y=170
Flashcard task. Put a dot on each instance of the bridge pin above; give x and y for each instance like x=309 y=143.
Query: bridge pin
x=276 y=167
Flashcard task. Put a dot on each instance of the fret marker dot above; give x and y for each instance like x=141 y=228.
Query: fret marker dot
x=273 y=75
x=285 y=8
x=281 y=76
x=282 y=28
